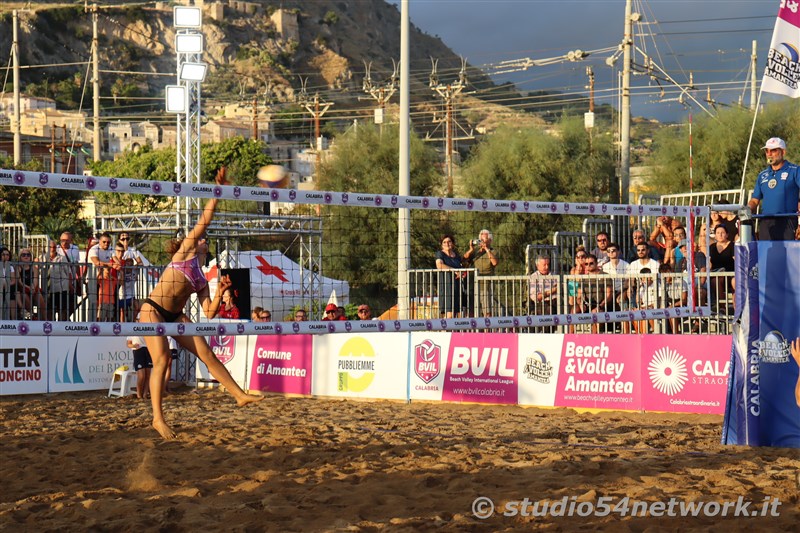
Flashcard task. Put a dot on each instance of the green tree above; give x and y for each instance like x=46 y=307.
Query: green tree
x=361 y=243
x=531 y=164
x=35 y=207
x=719 y=146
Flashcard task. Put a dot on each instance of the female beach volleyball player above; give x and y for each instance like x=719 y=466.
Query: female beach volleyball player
x=180 y=279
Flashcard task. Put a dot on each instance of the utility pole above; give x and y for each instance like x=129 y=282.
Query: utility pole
x=17 y=114
x=255 y=116
x=625 y=112
x=754 y=65
x=96 y=139
x=448 y=93
x=317 y=109
x=588 y=118
x=382 y=93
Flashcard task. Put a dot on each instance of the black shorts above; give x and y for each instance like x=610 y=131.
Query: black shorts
x=168 y=316
x=142 y=359
x=777 y=228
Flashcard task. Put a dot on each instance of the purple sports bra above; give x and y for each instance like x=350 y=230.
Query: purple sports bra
x=191 y=269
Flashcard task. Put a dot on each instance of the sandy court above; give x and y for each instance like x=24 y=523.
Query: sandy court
x=83 y=461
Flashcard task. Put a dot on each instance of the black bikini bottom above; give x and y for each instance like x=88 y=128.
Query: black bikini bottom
x=168 y=316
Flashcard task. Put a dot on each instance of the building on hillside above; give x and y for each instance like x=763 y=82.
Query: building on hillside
x=50 y=123
x=26 y=103
x=123 y=135
x=219 y=130
x=286 y=24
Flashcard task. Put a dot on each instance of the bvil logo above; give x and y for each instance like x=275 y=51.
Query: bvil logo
x=112 y=184
x=443 y=323
x=487 y=322
x=237 y=192
x=394 y=200
x=529 y=320
x=607 y=317
x=677 y=312
x=240 y=328
x=440 y=202
x=526 y=206
x=223 y=347
x=47 y=328
x=43 y=178
x=427 y=356
x=538 y=368
x=68 y=371
x=348 y=327
x=641 y=209
x=753 y=272
x=345 y=197
x=117 y=328
x=181 y=328
x=484 y=204
x=176 y=188
x=566 y=208
x=397 y=325
x=604 y=208
x=668 y=372
x=425 y=203
x=569 y=319
x=643 y=313
x=295 y=327
x=674 y=209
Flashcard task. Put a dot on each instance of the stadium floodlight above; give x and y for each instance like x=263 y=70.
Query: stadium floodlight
x=187 y=17
x=189 y=43
x=176 y=98
x=193 y=71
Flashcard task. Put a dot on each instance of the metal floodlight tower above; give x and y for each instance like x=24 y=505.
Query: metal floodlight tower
x=191 y=72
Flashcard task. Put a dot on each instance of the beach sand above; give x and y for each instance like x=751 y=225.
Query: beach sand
x=83 y=461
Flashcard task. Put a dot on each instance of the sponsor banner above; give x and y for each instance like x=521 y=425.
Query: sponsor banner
x=281 y=363
x=481 y=367
x=539 y=362
x=685 y=373
x=23 y=365
x=600 y=371
x=232 y=352
x=367 y=365
x=86 y=363
x=428 y=359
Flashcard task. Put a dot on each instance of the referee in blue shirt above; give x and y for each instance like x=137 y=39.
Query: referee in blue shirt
x=778 y=191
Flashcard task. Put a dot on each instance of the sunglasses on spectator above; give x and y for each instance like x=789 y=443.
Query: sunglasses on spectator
x=25 y=254
x=329 y=312
x=363 y=310
x=123 y=238
x=265 y=317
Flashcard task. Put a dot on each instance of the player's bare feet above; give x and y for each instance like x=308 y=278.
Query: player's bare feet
x=248 y=398
x=165 y=430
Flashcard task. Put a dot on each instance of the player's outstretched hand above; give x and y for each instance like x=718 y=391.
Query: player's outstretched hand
x=220 y=177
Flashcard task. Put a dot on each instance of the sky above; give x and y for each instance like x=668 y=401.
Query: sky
x=712 y=39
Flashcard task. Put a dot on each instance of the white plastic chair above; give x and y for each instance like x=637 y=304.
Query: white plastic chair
x=127 y=382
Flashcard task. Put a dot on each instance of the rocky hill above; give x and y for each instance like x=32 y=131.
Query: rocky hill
x=250 y=52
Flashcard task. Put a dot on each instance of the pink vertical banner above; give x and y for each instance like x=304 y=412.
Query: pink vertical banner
x=685 y=373
x=601 y=372
x=481 y=368
x=282 y=363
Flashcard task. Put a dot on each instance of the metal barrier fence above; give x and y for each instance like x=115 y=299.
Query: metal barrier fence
x=46 y=291
x=446 y=293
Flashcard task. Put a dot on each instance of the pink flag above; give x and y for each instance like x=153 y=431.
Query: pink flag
x=782 y=74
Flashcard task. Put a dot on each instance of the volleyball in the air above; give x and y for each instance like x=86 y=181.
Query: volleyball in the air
x=273 y=177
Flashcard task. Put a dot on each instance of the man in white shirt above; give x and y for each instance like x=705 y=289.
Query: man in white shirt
x=73 y=256
x=616 y=267
x=100 y=256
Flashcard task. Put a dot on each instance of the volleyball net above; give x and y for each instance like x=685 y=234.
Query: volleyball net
x=293 y=252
